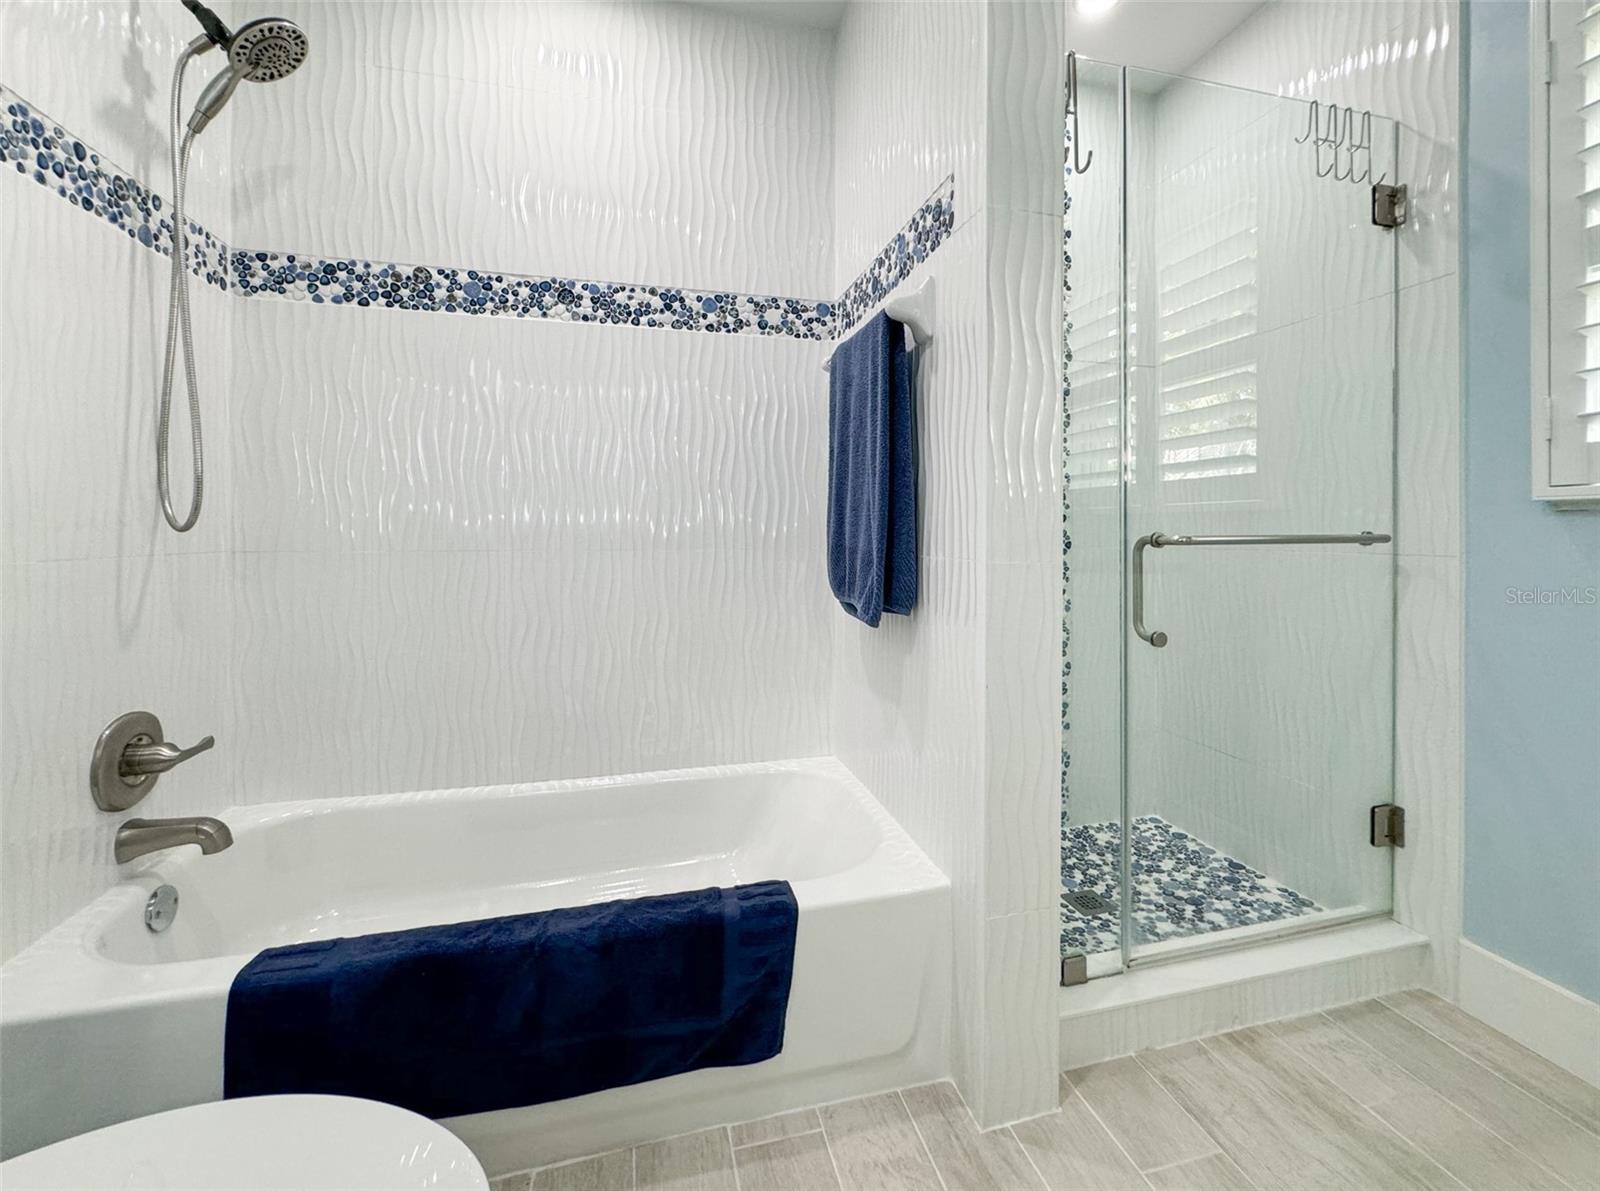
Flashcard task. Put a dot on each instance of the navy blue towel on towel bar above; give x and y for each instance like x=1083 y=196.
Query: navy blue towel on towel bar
x=872 y=473
x=504 y=1012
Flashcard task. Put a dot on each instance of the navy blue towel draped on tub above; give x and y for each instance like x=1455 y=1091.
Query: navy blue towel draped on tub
x=504 y=1012
x=872 y=473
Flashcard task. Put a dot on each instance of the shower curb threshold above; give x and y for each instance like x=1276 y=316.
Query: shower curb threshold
x=1181 y=1000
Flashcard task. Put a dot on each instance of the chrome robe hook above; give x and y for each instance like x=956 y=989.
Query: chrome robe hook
x=1080 y=164
x=1311 y=123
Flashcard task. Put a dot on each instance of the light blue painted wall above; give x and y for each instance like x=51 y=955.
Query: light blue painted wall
x=1532 y=877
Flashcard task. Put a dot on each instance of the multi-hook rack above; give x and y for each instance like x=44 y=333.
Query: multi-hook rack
x=1346 y=130
x=1346 y=134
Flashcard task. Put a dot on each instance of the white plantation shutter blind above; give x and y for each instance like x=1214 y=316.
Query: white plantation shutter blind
x=1567 y=430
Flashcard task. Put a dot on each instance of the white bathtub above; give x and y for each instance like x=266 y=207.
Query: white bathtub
x=102 y=1020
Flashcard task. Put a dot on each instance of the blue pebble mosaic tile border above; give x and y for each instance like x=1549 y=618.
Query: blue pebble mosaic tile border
x=37 y=147
x=41 y=149
x=569 y=299
x=928 y=228
x=1182 y=886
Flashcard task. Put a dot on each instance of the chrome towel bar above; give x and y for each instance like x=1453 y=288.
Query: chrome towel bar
x=1162 y=540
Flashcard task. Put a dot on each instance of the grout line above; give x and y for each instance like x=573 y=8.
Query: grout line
x=1383 y=1000
x=750 y=1145
x=1011 y=1130
x=1115 y=1140
x=1178 y=1104
x=972 y=1117
x=1005 y=1129
x=633 y=1152
x=1179 y=1162
x=1446 y=1097
x=832 y=1161
x=1407 y=1141
x=733 y=1156
x=921 y=1140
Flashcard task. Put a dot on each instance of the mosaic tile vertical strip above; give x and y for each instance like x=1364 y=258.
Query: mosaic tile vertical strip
x=42 y=149
x=1066 y=470
x=933 y=221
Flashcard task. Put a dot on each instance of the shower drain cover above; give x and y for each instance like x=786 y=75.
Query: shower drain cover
x=1086 y=902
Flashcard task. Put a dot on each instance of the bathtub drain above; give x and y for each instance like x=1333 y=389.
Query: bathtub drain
x=161 y=909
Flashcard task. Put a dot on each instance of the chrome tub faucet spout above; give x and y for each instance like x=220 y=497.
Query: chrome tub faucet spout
x=140 y=837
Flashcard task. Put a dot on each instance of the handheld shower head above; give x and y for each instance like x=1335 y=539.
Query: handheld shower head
x=261 y=51
x=268 y=49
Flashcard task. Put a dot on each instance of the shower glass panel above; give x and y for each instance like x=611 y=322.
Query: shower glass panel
x=1249 y=384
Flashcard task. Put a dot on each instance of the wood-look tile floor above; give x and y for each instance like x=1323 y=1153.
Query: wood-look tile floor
x=1402 y=1092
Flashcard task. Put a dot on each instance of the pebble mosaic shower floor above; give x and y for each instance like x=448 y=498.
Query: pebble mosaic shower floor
x=1183 y=886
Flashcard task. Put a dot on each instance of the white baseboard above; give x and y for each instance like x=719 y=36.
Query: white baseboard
x=1546 y=1018
x=1210 y=994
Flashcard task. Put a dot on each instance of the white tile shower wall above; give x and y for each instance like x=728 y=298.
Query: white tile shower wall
x=104 y=69
x=478 y=551
x=655 y=142
x=1401 y=58
x=492 y=549
x=102 y=609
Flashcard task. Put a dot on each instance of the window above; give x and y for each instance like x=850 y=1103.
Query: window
x=1208 y=324
x=1565 y=182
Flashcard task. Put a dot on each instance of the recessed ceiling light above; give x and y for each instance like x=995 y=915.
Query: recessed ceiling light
x=1093 y=10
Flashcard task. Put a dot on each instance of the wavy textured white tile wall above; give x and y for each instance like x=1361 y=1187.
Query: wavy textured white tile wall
x=909 y=88
x=538 y=549
x=665 y=143
x=104 y=69
x=506 y=551
x=1023 y=627
x=101 y=612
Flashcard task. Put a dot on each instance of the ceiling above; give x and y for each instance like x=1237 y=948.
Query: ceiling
x=1164 y=35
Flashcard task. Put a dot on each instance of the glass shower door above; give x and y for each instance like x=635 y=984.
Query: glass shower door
x=1257 y=493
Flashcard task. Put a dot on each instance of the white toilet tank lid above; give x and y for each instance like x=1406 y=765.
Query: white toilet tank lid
x=263 y=1143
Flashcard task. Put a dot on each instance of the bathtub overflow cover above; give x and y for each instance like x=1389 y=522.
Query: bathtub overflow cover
x=161 y=909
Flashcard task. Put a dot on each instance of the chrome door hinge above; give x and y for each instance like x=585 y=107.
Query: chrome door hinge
x=1074 y=969
x=1388 y=205
x=1388 y=826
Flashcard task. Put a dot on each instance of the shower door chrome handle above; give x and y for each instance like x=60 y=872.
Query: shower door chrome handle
x=1157 y=638
x=1162 y=540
